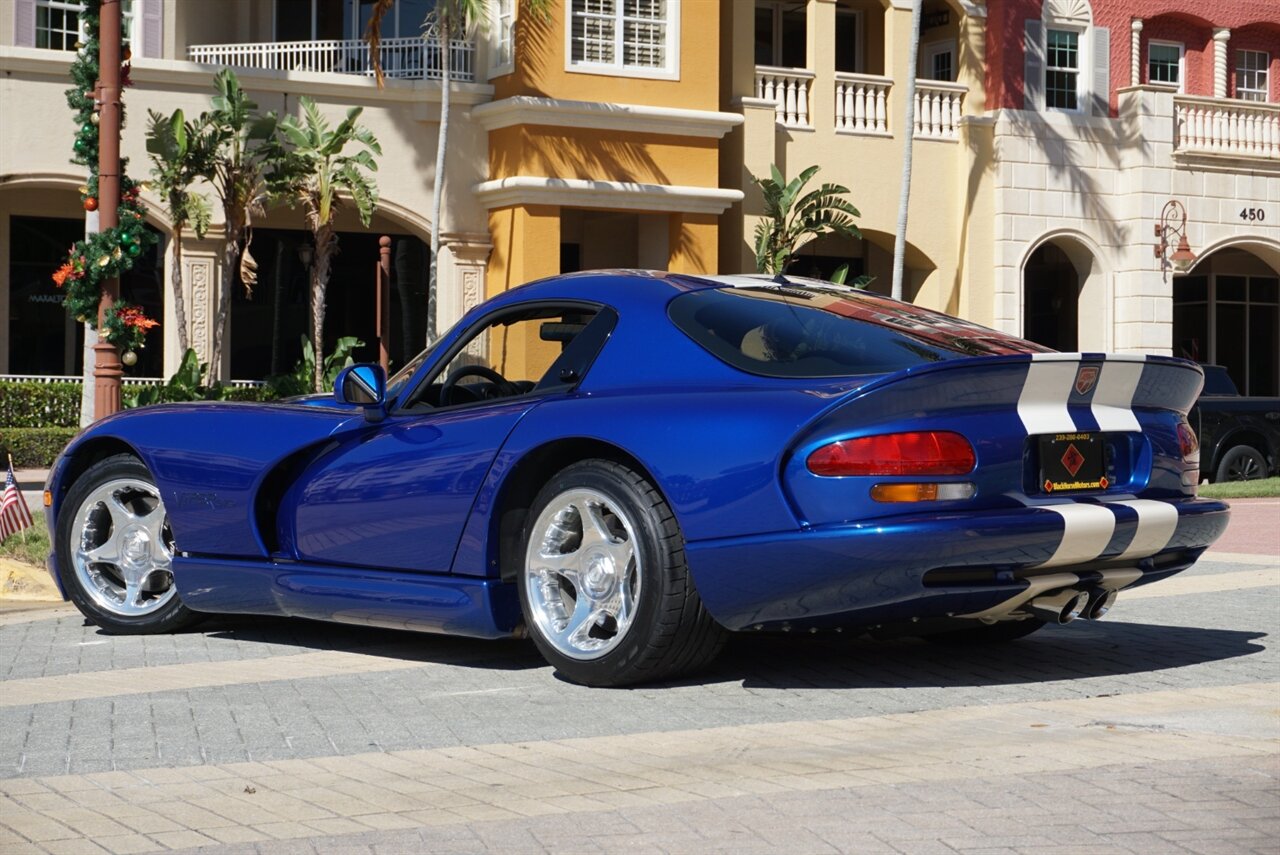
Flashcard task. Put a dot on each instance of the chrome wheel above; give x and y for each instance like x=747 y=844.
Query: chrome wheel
x=122 y=548
x=582 y=574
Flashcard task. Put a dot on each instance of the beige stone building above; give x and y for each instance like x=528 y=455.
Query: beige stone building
x=1052 y=139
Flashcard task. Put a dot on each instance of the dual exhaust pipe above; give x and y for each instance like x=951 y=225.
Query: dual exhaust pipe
x=1062 y=607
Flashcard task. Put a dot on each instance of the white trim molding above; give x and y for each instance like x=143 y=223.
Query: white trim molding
x=633 y=118
x=582 y=193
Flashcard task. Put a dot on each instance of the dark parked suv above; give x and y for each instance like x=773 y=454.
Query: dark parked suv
x=1239 y=436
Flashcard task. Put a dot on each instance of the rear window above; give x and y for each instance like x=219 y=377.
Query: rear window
x=822 y=330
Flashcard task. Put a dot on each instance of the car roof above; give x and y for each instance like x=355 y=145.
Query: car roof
x=622 y=286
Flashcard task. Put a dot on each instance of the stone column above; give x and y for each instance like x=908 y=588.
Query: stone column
x=1135 y=52
x=822 y=61
x=461 y=279
x=201 y=283
x=759 y=152
x=1221 y=37
x=526 y=246
x=691 y=242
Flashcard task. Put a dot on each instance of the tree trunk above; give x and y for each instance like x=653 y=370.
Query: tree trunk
x=277 y=306
x=437 y=193
x=179 y=299
x=230 y=264
x=904 y=199
x=326 y=243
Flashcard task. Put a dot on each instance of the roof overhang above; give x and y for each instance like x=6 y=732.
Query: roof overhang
x=616 y=195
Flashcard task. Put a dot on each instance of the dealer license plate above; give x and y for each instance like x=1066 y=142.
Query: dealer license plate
x=1071 y=462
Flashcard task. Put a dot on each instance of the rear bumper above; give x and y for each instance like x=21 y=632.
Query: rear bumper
x=865 y=574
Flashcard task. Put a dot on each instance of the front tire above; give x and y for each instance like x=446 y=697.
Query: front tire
x=1242 y=463
x=115 y=550
x=604 y=586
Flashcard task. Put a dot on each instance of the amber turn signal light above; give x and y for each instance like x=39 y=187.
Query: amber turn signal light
x=922 y=492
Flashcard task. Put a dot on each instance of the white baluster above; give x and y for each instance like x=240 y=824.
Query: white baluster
x=802 y=102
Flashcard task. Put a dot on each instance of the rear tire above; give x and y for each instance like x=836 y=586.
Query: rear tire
x=604 y=585
x=1242 y=463
x=115 y=550
x=988 y=633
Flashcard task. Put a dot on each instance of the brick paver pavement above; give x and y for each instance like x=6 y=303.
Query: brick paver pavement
x=1157 y=730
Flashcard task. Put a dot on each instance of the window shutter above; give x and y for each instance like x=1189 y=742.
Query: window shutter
x=1101 y=81
x=153 y=28
x=24 y=23
x=1033 y=74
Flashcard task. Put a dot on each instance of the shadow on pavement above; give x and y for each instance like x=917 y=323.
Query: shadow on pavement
x=1053 y=653
x=828 y=661
x=314 y=636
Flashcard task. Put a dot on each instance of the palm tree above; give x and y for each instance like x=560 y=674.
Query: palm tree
x=450 y=20
x=238 y=136
x=315 y=173
x=179 y=155
x=904 y=199
x=792 y=220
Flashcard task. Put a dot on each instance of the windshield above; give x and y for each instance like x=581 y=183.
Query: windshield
x=401 y=377
x=815 y=329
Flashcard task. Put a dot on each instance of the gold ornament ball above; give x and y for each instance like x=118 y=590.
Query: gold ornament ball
x=129 y=358
x=95 y=117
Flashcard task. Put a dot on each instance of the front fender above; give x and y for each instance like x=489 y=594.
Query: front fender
x=208 y=460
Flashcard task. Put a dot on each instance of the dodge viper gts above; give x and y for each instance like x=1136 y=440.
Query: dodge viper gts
x=626 y=466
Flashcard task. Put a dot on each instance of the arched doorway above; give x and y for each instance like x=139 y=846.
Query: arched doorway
x=1065 y=300
x=1226 y=311
x=870 y=256
x=1051 y=292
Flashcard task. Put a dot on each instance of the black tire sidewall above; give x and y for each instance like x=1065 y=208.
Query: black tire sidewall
x=654 y=559
x=172 y=615
x=1236 y=453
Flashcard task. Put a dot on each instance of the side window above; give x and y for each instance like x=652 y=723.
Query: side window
x=515 y=353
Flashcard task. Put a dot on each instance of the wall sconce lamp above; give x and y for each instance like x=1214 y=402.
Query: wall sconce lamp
x=1173 y=223
x=306 y=254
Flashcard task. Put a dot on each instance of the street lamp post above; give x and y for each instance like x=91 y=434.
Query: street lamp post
x=107 y=369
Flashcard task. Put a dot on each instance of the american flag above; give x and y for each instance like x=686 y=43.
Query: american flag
x=14 y=513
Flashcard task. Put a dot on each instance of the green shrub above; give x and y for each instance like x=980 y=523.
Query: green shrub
x=24 y=404
x=248 y=393
x=35 y=448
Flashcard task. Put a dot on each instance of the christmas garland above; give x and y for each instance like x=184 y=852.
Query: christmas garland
x=109 y=253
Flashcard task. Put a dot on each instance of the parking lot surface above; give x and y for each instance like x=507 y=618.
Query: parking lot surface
x=1156 y=730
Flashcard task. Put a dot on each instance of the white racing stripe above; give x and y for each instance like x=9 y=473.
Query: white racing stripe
x=1042 y=406
x=1112 y=403
x=1156 y=524
x=1086 y=531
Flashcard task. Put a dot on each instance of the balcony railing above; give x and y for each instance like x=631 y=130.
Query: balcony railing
x=1216 y=126
x=406 y=57
x=788 y=89
x=938 y=106
x=862 y=104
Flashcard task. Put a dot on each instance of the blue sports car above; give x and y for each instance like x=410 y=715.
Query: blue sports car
x=625 y=466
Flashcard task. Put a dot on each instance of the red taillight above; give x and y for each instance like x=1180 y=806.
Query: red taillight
x=1188 y=443
x=933 y=452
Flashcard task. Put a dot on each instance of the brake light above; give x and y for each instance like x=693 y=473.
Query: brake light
x=932 y=452
x=1188 y=442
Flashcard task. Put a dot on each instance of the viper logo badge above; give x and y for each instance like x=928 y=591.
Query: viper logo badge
x=1085 y=378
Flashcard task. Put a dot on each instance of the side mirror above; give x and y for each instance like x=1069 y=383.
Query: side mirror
x=364 y=385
